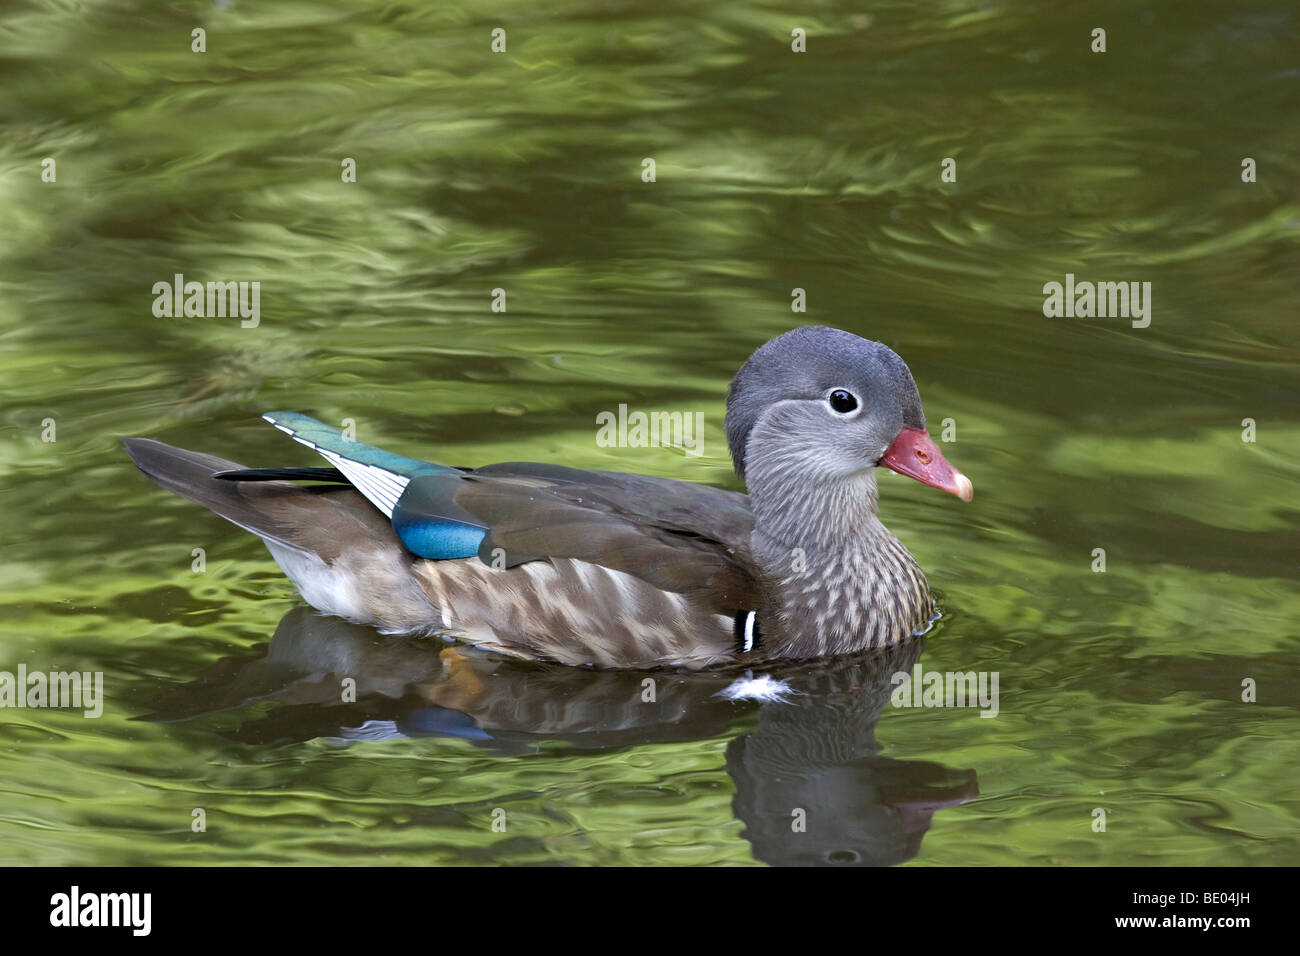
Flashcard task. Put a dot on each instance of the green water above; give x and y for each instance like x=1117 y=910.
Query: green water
x=775 y=170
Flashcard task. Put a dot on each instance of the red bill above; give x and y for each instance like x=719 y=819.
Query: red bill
x=915 y=454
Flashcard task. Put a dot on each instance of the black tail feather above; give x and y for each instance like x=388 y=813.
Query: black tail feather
x=332 y=475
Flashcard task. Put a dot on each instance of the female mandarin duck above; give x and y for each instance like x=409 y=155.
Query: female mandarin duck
x=614 y=570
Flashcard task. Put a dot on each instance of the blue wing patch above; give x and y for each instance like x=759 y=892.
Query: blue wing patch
x=438 y=540
x=431 y=524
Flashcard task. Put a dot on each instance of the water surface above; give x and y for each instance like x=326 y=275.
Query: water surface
x=522 y=171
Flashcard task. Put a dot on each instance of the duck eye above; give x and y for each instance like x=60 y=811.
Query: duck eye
x=842 y=401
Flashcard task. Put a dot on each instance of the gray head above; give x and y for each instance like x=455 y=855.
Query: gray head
x=833 y=405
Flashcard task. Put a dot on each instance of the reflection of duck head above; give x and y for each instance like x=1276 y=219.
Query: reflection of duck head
x=816 y=752
x=811 y=786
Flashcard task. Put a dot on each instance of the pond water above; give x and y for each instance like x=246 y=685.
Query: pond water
x=1087 y=438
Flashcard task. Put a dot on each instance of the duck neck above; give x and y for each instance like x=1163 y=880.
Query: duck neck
x=834 y=579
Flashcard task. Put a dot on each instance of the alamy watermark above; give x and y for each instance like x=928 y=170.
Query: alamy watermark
x=76 y=689
x=1086 y=300
x=946 y=689
x=130 y=910
x=624 y=429
x=179 y=298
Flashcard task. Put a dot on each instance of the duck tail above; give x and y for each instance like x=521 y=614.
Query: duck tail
x=312 y=520
x=190 y=475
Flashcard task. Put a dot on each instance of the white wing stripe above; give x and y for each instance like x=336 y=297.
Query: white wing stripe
x=380 y=479
x=381 y=486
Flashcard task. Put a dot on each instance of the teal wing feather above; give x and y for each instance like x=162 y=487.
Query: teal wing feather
x=331 y=441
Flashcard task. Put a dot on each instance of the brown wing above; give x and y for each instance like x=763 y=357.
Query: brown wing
x=676 y=535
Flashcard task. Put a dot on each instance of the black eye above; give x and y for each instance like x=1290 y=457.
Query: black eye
x=842 y=401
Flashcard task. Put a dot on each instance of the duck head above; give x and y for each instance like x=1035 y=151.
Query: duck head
x=838 y=405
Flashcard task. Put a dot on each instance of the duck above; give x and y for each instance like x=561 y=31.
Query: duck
x=603 y=569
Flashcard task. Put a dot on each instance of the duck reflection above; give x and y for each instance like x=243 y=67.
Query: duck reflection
x=811 y=785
